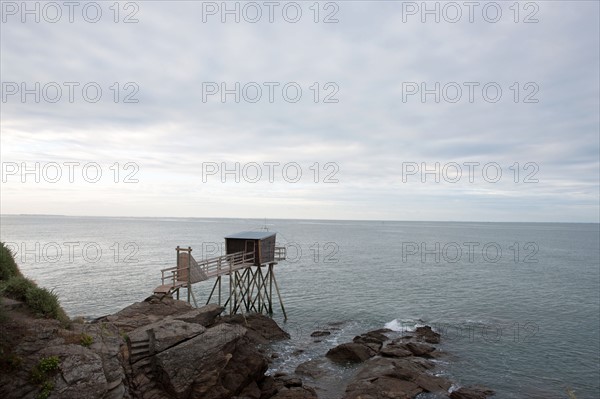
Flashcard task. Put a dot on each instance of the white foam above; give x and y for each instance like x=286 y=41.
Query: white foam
x=403 y=325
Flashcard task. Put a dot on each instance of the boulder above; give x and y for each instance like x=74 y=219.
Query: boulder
x=193 y=368
x=471 y=392
x=285 y=387
x=81 y=373
x=394 y=378
x=419 y=349
x=395 y=350
x=350 y=352
x=427 y=334
x=295 y=393
x=320 y=334
x=261 y=329
x=313 y=368
x=205 y=316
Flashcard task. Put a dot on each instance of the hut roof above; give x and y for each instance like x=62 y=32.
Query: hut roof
x=251 y=235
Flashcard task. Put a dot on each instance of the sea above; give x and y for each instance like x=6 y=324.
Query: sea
x=517 y=304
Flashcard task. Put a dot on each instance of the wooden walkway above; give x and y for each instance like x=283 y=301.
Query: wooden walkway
x=184 y=274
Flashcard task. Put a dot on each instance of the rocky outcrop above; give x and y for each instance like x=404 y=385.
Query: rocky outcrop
x=400 y=368
x=360 y=349
x=426 y=334
x=163 y=348
x=285 y=387
x=261 y=329
x=158 y=348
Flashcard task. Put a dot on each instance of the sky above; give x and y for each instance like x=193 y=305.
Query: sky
x=448 y=111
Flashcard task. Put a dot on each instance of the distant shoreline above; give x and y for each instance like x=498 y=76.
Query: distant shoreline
x=293 y=219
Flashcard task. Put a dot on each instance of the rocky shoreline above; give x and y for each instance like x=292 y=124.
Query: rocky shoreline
x=163 y=348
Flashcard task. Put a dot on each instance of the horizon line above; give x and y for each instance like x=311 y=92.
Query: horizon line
x=298 y=219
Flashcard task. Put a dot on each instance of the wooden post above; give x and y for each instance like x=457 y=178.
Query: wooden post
x=230 y=283
x=175 y=274
x=189 y=274
x=271 y=288
x=278 y=294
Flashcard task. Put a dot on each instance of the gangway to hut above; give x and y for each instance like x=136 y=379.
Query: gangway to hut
x=249 y=289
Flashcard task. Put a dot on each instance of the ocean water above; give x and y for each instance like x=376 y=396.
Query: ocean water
x=517 y=303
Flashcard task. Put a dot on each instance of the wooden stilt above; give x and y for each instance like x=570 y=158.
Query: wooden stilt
x=280 y=300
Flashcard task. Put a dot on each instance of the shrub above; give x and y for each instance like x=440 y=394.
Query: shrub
x=43 y=302
x=2 y=312
x=48 y=364
x=17 y=287
x=13 y=285
x=41 y=372
x=86 y=340
x=8 y=267
x=46 y=390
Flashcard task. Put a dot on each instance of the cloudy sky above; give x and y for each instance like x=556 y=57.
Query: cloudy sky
x=328 y=110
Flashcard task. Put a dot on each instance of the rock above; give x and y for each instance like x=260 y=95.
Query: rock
x=313 y=368
x=295 y=393
x=167 y=333
x=382 y=387
x=472 y=392
x=427 y=334
x=81 y=373
x=396 y=378
x=382 y=331
x=298 y=352
x=252 y=391
x=393 y=350
x=419 y=349
x=350 y=352
x=292 y=382
x=320 y=334
x=261 y=329
x=196 y=367
x=205 y=316
x=377 y=335
x=151 y=310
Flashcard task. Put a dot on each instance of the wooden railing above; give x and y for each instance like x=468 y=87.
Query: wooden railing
x=211 y=267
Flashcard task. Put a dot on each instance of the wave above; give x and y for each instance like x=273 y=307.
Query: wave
x=404 y=325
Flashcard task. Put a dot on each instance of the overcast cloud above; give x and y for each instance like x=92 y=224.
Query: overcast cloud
x=367 y=144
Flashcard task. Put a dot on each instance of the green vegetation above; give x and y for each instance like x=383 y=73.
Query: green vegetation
x=46 y=390
x=17 y=288
x=86 y=340
x=2 y=312
x=41 y=301
x=48 y=364
x=8 y=266
x=41 y=373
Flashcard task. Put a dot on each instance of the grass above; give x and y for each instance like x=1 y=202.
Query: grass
x=8 y=266
x=41 y=301
x=3 y=316
x=86 y=340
